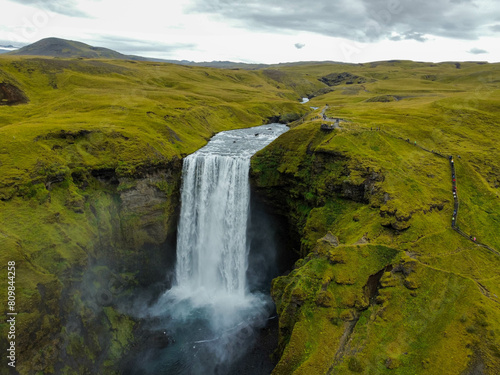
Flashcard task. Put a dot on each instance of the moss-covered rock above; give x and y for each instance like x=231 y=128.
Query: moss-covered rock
x=349 y=195
x=84 y=255
x=90 y=173
x=93 y=160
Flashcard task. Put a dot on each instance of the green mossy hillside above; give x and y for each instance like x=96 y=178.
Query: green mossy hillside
x=90 y=169
x=415 y=320
x=379 y=182
x=97 y=114
x=79 y=248
x=90 y=163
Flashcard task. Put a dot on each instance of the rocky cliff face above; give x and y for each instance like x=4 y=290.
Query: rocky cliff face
x=379 y=288
x=148 y=205
x=305 y=185
x=103 y=235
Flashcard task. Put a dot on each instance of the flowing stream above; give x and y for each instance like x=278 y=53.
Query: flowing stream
x=210 y=314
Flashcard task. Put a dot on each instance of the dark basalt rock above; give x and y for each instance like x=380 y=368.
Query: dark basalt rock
x=335 y=79
x=11 y=95
x=362 y=192
x=272 y=120
x=396 y=220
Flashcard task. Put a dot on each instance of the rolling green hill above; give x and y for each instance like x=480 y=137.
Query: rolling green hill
x=386 y=285
x=90 y=163
x=90 y=169
x=57 y=47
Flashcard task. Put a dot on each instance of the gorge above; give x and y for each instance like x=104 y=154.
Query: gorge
x=91 y=166
x=218 y=299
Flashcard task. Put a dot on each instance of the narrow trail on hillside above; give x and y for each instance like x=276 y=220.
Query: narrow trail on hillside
x=343 y=343
x=454 y=225
x=335 y=120
x=456 y=203
x=485 y=291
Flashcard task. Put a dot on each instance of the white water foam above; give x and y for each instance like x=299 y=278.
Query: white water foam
x=211 y=247
x=212 y=252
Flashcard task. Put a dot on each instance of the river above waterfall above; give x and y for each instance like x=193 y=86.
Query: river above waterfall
x=217 y=303
x=242 y=142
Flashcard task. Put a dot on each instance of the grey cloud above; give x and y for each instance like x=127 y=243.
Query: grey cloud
x=361 y=20
x=130 y=46
x=299 y=45
x=411 y=35
x=65 y=7
x=477 y=51
x=419 y=37
x=495 y=28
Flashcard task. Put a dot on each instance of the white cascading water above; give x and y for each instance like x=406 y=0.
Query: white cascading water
x=212 y=250
x=209 y=313
x=212 y=247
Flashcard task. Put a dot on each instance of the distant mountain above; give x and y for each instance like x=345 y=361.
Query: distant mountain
x=220 y=64
x=250 y=66
x=57 y=47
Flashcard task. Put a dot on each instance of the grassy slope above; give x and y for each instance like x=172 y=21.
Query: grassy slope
x=86 y=117
x=57 y=47
x=138 y=112
x=429 y=316
x=437 y=311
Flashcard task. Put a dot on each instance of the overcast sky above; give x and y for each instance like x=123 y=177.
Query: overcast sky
x=265 y=31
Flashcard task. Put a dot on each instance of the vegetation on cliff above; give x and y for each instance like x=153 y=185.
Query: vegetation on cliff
x=386 y=285
x=90 y=157
x=90 y=163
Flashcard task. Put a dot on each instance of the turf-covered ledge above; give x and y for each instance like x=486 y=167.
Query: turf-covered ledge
x=99 y=233
x=314 y=186
x=323 y=298
x=370 y=308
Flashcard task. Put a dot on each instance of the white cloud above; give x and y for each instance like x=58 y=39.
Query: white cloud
x=66 y=7
x=258 y=31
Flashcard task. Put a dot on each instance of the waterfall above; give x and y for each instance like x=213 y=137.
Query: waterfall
x=212 y=247
x=209 y=315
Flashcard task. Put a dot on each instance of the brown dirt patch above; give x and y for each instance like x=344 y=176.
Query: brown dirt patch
x=11 y=95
